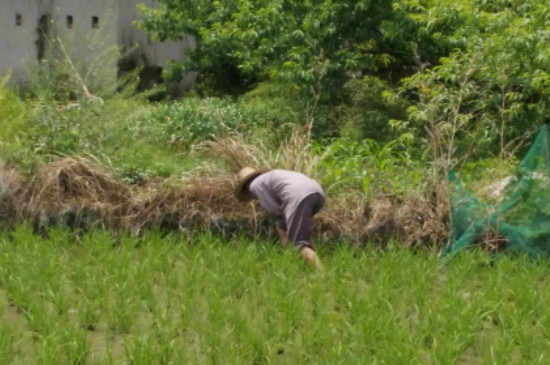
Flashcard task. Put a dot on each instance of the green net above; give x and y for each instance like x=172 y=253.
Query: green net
x=520 y=222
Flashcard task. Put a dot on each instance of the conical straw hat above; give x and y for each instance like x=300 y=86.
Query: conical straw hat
x=243 y=176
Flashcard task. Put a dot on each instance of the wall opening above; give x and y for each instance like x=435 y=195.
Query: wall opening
x=69 y=21
x=95 y=22
x=42 y=30
x=18 y=20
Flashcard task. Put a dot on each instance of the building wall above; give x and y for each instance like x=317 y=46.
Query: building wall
x=86 y=28
x=82 y=14
x=155 y=52
x=145 y=52
x=18 y=48
x=87 y=31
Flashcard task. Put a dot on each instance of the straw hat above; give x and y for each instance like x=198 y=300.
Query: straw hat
x=243 y=177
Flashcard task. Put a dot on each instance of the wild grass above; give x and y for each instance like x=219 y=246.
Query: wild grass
x=203 y=299
x=238 y=150
x=154 y=147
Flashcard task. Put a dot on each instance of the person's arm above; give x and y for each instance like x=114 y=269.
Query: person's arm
x=283 y=236
x=280 y=226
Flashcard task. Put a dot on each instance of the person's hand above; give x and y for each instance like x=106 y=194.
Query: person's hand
x=317 y=263
x=283 y=237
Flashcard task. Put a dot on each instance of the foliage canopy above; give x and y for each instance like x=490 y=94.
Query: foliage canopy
x=474 y=72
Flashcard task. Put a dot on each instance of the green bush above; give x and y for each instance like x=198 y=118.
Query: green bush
x=369 y=166
x=13 y=111
x=278 y=106
x=369 y=111
x=49 y=128
x=192 y=120
x=271 y=105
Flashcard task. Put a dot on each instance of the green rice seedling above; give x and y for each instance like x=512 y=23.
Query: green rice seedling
x=63 y=346
x=208 y=299
x=17 y=291
x=46 y=351
x=89 y=312
x=154 y=347
x=122 y=308
x=142 y=349
x=106 y=347
x=42 y=318
x=55 y=291
x=74 y=345
x=9 y=344
x=89 y=283
x=56 y=339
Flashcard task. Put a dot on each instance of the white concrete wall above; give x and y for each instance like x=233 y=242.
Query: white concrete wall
x=82 y=13
x=148 y=52
x=90 y=49
x=17 y=43
x=156 y=53
x=18 y=49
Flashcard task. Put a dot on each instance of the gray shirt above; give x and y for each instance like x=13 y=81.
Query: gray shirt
x=281 y=191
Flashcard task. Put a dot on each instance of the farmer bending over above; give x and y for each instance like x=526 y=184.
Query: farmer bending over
x=291 y=198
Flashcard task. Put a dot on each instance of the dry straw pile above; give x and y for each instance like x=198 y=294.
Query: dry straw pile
x=10 y=190
x=74 y=192
x=79 y=194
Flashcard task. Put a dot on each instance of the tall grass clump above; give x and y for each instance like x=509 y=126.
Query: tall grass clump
x=184 y=123
x=371 y=167
x=238 y=150
x=13 y=111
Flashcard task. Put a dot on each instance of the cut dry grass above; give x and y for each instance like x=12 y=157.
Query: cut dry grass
x=415 y=220
x=75 y=190
x=77 y=193
x=11 y=183
x=196 y=203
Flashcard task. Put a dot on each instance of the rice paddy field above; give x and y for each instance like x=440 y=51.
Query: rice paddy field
x=98 y=298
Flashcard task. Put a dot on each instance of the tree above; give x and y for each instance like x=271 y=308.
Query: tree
x=317 y=45
x=490 y=94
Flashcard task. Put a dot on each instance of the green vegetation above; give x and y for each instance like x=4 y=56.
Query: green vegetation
x=460 y=80
x=139 y=140
x=375 y=99
x=100 y=298
x=466 y=78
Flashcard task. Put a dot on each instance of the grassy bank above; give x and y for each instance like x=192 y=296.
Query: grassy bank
x=63 y=162
x=105 y=299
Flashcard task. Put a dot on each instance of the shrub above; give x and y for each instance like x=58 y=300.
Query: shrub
x=369 y=112
x=13 y=111
x=369 y=166
x=271 y=105
x=192 y=120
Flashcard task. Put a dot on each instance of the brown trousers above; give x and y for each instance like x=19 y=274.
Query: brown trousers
x=298 y=228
